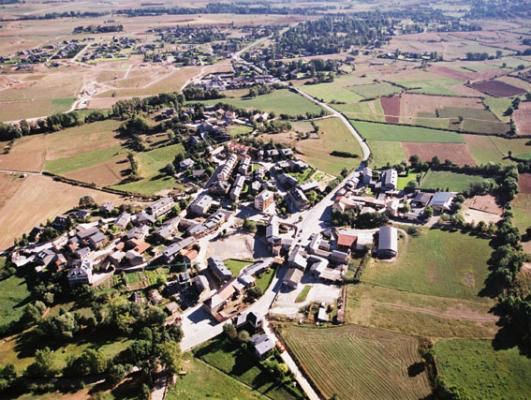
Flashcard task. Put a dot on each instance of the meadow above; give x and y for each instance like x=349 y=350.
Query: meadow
x=437 y=263
x=354 y=362
x=486 y=149
x=447 y=180
x=385 y=132
x=477 y=371
x=521 y=206
x=14 y=295
x=383 y=152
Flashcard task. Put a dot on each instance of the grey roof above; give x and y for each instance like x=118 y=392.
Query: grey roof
x=219 y=269
x=441 y=198
x=388 y=239
x=262 y=344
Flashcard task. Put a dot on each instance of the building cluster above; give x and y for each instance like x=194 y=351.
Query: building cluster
x=116 y=48
x=229 y=81
x=63 y=50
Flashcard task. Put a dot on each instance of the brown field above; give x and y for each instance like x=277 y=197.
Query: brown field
x=453 y=73
x=391 y=107
x=455 y=152
x=522 y=118
x=516 y=82
x=105 y=174
x=485 y=203
x=524 y=183
x=413 y=104
x=9 y=184
x=497 y=88
x=38 y=199
x=27 y=154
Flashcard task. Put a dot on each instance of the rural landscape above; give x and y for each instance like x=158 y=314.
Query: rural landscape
x=265 y=200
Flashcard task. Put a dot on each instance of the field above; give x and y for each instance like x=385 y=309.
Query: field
x=383 y=152
x=521 y=206
x=383 y=132
x=452 y=181
x=372 y=90
x=230 y=359
x=456 y=152
x=419 y=314
x=38 y=199
x=280 y=102
x=9 y=184
x=486 y=149
x=371 y=110
x=202 y=381
x=436 y=263
x=391 y=107
x=334 y=136
x=14 y=295
x=497 y=88
x=478 y=371
x=522 y=119
x=354 y=362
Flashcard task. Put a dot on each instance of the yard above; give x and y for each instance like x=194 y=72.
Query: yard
x=477 y=371
x=447 y=180
x=231 y=359
x=437 y=263
x=354 y=362
x=236 y=266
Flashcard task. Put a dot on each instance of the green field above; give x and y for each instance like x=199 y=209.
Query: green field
x=477 y=371
x=396 y=133
x=280 y=101
x=354 y=362
x=419 y=314
x=368 y=110
x=486 y=149
x=14 y=295
x=236 y=266
x=236 y=130
x=372 y=90
x=437 y=263
x=204 y=382
x=386 y=152
x=485 y=127
x=521 y=206
x=498 y=105
x=335 y=136
x=150 y=164
x=431 y=84
x=265 y=279
x=83 y=160
x=452 y=181
x=229 y=358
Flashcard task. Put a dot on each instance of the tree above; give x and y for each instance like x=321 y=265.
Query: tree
x=170 y=356
x=145 y=392
x=87 y=201
x=230 y=331
x=344 y=172
x=115 y=374
x=43 y=366
x=90 y=362
x=244 y=336
x=249 y=226
x=428 y=212
x=33 y=313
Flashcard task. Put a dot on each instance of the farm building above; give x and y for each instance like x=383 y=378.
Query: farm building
x=387 y=242
x=441 y=201
x=389 y=179
x=421 y=199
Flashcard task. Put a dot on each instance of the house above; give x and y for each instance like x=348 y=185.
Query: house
x=442 y=201
x=189 y=256
x=107 y=208
x=155 y=297
x=143 y=218
x=272 y=230
x=82 y=252
x=387 y=242
x=45 y=257
x=61 y=222
x=84 y=234
x=245 y=163
x=97 y=240
x=80 y=274
x=246 y=280
x=346 y=240
x=237 y=188
x=138 y=232
x=174 y=249
x=389 y=179
x=201 y=205
x=364 y=240
x=123 y=220
x=186 y=164
x=219 y=270
x=310 y=185
x=250 y=318
x=317 y=265
x=292 y=278
x=262 y=344
x=116 y=258
x=296 y=259
x=168 y=230
x=139 y=245
x=200 y=283
x=219 y=300
x=339 y=257
x=134 y=258
x=322 y=315
x=161 y=207
x=287 y=181
x=298 y=199
x=264 y=200
x=421 y=199
x=366 y=176
x=287 y=153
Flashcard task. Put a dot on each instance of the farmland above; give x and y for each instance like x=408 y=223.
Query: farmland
x=437 y=263
x=375 y=131
x=497 y=88
x=477 y=371
x=384 y=152
x=14 y=295
x=280 y=102
x=486 y=149
x=447 y=180
x=380 y=370
x=521 y=206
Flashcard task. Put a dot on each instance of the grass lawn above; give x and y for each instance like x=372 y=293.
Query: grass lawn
x=303 y=294
x=14 y=295
x=236 y=130
x=438 y=263
x=302 y=176
x=242 y=365
x=335 y=136
x=419 y=314
x=236 y=266
x=404 y=180
x=265 y=279
x=452 y=181
x=386 y=152
x=478 y=371
x=280 y=102
x=383 y=132
x=202 y=381
x=355 y=362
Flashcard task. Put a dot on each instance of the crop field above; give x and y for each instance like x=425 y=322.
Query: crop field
x=334 y=136
x=391 y=108
x=498 y=105
x=419 y=314
x=455 y=152
x=522 y=119
x=386 y=152
x=150 y=164
x=355 y=362
x=497 y=88
x=452 y=181
x=372 y=90
x=437 y=263
x=342 y=89
x=426 y=82
x=38 y=199
x=485 y=149
x=202 y=381
x=478 y=371
x=229 y=358
x=280 y=102
x=83 y=160
x=521 y=206
x=9 y=184
x=383 y=132
x=371 y=110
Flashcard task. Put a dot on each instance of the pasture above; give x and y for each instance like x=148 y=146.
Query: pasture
x=521 y=206
x=369 y=110
x=333 y=136
x=355 y=362
x=478 y=371
x=447 y=180
x=386 y=152
x=419 y=314
x=385 y=132
x=486 y=149
x=280 y=102
x=372 y=90
x=436 y=263
x=14 y=295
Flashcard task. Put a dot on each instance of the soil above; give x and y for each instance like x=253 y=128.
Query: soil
x=391 y=107
x=455 y=152
x=497 y=88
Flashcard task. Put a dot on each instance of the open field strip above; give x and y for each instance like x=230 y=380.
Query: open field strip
x=452 y=181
